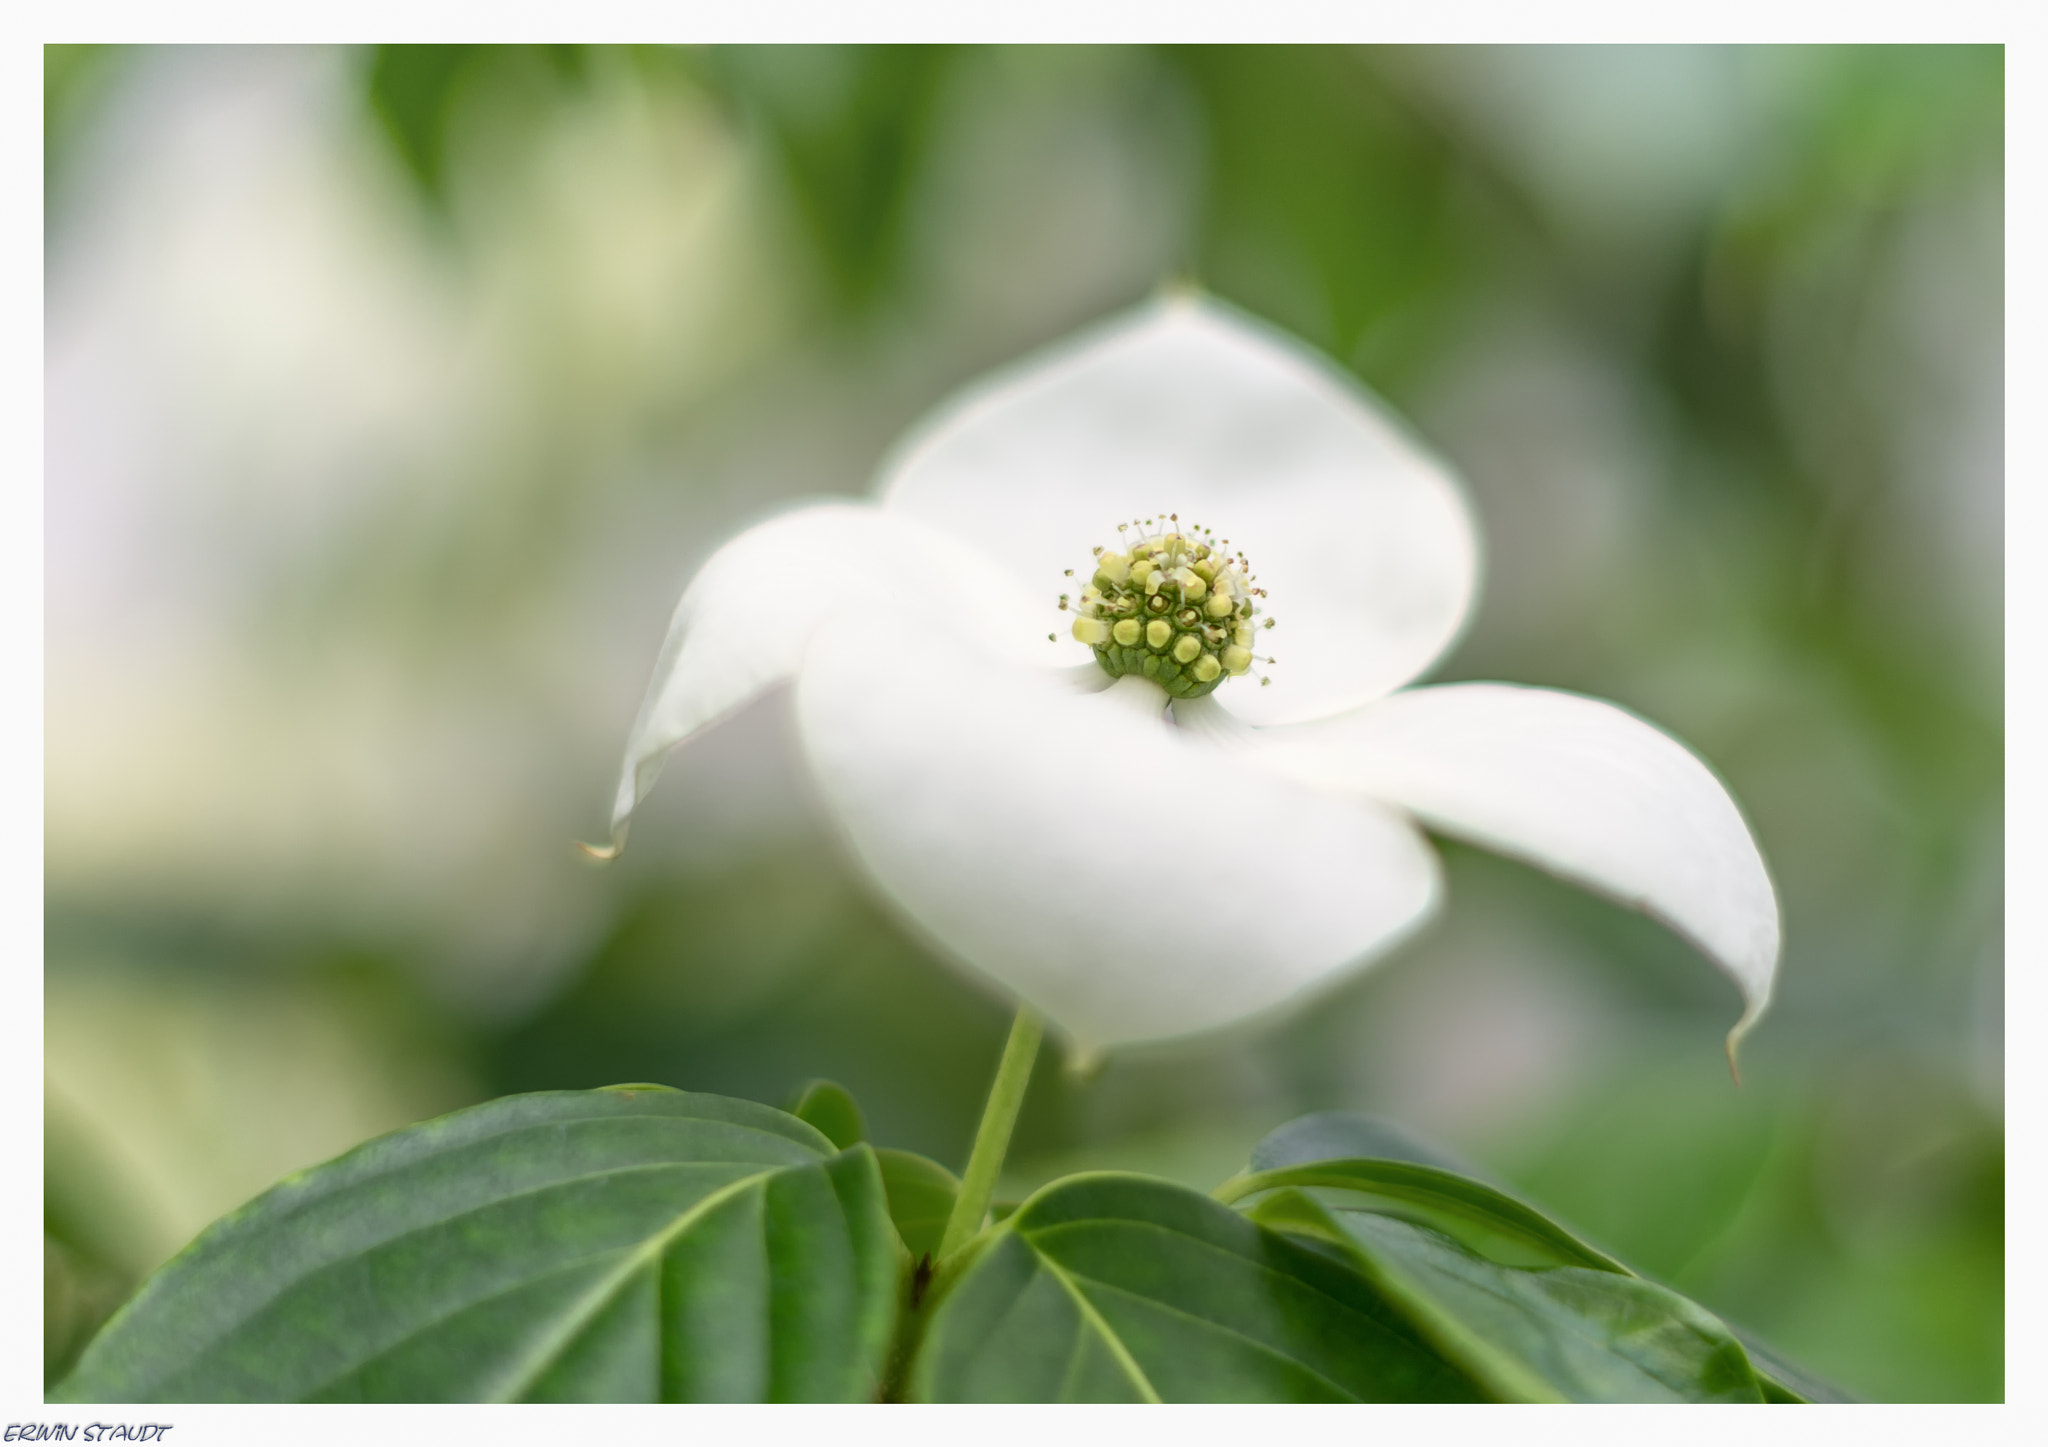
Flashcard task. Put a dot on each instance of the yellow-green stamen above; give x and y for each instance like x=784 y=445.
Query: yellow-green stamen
x=1174 y=607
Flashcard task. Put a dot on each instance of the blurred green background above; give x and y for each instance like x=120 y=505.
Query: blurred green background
x=393 y=394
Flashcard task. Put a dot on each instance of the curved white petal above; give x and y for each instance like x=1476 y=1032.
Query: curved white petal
x=1126 y=882
x=1574 y=785
x=1361 y=539
x=746 y=618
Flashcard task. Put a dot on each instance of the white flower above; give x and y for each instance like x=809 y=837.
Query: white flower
x=1137 y=867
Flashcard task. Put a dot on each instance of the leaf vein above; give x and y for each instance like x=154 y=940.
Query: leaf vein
x=1265 y=1348
x=1250 y=1263
x=603 y=1292
x=1115 y=1343
x=243 y=1321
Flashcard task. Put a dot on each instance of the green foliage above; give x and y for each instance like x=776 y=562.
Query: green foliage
x=1473 y=1215
x=921 y=1195
x=849 y=125
x=826 y=1106
x=1900 y=1227
x=413 y=91
x=1331 y=206
x=643 y=1244
x=1120 y=1288
x=1564 y=1333
x=633 y=1244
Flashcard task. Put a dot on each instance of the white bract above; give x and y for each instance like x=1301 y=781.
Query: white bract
x=1135 y=865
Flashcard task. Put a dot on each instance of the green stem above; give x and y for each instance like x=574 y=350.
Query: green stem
x=992 y=1140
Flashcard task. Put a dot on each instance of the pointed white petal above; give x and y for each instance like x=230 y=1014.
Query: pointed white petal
x=746 y=618
x=1571 y=784
x=1126 y=882
x=1362 y=540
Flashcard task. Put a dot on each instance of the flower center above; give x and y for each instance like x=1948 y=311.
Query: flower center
x=1177 y=608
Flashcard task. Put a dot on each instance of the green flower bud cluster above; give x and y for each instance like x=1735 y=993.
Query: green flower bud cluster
x=1175 y=608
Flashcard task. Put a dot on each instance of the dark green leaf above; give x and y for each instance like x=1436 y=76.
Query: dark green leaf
x=850 y=127
x=1123 y=1288
x=921 y=1196
x=1497 y=1226
x=632 y=1244
x=1328 y=204
x=415 y=91
x=827 y=1105
x=1337 y=1135
x=1566 y=1333
x=410 y=91
x=1486 y=1222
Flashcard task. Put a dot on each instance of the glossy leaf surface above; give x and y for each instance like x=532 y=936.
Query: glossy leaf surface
x=631 y=1244
x=1495 y=1225
x=1121 y=1288
x=1564 y=1333
x=1326 y=1151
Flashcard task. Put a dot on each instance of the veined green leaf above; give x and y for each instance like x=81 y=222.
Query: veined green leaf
x=1353 y=1162
x=1496 y=1226
x=1123 y=1288
x=631 y=1244
x=1564 y=1333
